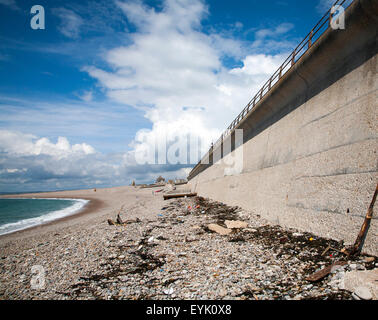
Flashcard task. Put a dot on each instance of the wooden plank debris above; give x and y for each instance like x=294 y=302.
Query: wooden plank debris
x=179 y=195
x=119 y=220
x=326 y=250
x=325 y=271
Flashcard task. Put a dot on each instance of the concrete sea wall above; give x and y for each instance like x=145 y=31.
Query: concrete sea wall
x=310 y=151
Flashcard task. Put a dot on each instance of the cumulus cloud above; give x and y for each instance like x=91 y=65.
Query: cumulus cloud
x=174 y=72
x=31 y=163
x=28 y=160
x=259 y=64
x=16 y=143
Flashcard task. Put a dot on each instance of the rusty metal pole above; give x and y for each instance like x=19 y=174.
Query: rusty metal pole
x=358 y=244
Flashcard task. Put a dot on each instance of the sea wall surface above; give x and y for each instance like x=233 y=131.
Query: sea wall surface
x=310 y=148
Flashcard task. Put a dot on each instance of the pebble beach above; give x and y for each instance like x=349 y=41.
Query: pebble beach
x=169 y=249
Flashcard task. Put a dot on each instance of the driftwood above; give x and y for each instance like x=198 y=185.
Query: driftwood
x=151 y=186
x=180 y=183
x=358 y=244
x=137 y=220
x=111 y=222
x=324 y=272
x=122 y=223
x=325 y=251
x=119 y=220
x=178 y=195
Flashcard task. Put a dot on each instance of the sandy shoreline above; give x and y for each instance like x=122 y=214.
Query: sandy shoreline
x=91 y=207
x=99 y=202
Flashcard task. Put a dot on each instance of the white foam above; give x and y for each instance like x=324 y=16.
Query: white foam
x=54 y=215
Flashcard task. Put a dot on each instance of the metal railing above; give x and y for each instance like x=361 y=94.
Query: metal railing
x=290 y=61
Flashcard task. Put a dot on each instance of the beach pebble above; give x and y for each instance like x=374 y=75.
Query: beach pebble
x=362 y=293
x=360 y=267
x=297 y=234
x=168 y=291
x=128 y=263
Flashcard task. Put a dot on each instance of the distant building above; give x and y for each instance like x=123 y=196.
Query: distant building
x=160 y=179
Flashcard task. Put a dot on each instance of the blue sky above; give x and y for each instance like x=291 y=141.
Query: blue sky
x=106 y=79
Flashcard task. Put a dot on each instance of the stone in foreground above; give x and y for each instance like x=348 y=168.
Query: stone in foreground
x=218 y=229
x=362 y=293
x=236 y=224
x=355 y=280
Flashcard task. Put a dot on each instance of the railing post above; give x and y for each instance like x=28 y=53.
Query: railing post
x=270 y=83
x=222 y=146
x=293 y=58
x=310 y=39
x=280 y=74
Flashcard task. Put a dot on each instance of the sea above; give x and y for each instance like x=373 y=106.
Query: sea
x=18 y=214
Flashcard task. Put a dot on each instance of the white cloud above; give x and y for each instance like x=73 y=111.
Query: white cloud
x=259 y=64
x=70 y=22
x=87 y=96
x=19 y=144
x=171 y=64
x=280 y=29
x=13 y=170
x=31 y=163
